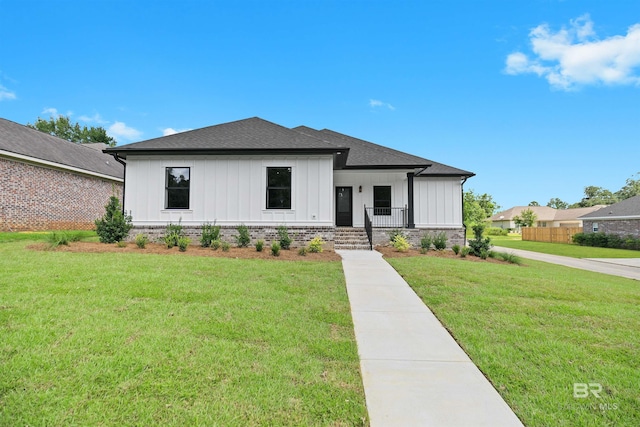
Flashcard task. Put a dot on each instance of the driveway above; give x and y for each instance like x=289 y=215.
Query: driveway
x=623 y=267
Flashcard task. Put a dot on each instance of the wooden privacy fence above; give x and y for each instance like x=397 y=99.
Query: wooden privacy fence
x=550 y=234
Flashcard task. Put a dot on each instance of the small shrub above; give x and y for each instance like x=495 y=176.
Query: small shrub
x=315 y=245
x=440 y=241
x=260 y=245
x=57 y=238
x=173 y=233
x=210 y=232
x=479 y=244
x=302 y=251
x=465 y=251
x=243 y=239
x=484 y=253
x=275 y=249
x=578 y=239
x=401 y=244
x=424 y=251
x=493 y=254
x=425 y=242
x=395 y=232
x=114 y=225
x=283 y=237
x=183 y=243
x=142 y=240
x=455 y=249
x=497 y=231
x=121 y=244
x=225 y=246
x=215 y=244
x=509 y=257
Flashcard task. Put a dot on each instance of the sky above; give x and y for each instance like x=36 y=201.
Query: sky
x=539 y=98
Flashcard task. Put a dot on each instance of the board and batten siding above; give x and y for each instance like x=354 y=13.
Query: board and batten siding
x=437 y=200
x=230 y=190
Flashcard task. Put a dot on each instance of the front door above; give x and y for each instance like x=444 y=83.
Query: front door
x=344 y=207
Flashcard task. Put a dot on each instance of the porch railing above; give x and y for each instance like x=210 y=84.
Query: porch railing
x=368 y=229
x=387 y=217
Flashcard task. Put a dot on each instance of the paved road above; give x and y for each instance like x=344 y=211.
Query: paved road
x=623 y=267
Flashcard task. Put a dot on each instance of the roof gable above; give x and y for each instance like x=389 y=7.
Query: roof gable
x=31 y=144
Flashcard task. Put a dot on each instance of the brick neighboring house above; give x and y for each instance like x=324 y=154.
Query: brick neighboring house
x=47 y=183
x=622 y=218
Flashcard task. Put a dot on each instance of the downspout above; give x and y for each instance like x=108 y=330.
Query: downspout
x=124 y=180
x=464 y=226
x=410 y=214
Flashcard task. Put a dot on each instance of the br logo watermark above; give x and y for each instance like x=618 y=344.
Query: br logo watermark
x=583 y=390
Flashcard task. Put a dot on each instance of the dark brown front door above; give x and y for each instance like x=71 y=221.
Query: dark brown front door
x=344 y=207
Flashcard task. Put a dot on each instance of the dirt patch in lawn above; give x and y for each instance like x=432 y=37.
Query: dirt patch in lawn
x=156 y=248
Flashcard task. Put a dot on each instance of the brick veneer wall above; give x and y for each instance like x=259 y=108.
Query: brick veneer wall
x=300 y=235
x=455 y=236
x=621 y=227
x=38 y=198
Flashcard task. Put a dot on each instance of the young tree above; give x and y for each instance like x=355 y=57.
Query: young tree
x=114 y=225
x=526 y=218
x=477 y=208
x=595 y=196
x=63 y=128
x=556 y=203
x=630 y=189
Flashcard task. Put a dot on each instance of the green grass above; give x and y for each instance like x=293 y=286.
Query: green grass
x=563 y=249
x=134 y=339
x=536 y=330
x=41 y=236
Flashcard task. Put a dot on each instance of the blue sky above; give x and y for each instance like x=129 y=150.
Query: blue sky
x=538 y=98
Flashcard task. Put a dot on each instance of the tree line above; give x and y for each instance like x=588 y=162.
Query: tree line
x=63 y=128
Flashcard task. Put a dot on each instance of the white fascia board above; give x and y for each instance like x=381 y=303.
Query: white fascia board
x=28 y=159
x=610 y=218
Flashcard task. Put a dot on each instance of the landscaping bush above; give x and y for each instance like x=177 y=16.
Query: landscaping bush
x=394 y=233
x=579 y=239
x=315 y=245
x=183 y=243
x=455 y=249
x=243 y=239
x=497 y=231
x=606 y=241
x=479 y=246
x=210 y=232
x=283 y=238
x=400 y=243
x=425 y=242
x=508 y=257
x=57 y=238
x=259 y=245
x=275 y=249
x=142 y=240
x=440 y=241
x=302 y=251
x=465 y=251
x=121 y=243
x=215 y=244
x=173 y=233
x=225 y=246
x=114 y=225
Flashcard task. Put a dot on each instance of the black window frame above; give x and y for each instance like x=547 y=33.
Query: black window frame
x=170 y=191
x=274 y=188
x=381 y=205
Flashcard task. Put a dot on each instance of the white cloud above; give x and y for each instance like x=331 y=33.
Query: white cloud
x=574 y=56
x=120 y=130
x=172 y=131
x=374 y=103
x=52 y=112
x=96 y=118
x=6 y=94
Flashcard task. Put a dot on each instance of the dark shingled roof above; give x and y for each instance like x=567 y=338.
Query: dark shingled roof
x=254 y=134
x=627 y=208
x=22 y=140
x=367 y=155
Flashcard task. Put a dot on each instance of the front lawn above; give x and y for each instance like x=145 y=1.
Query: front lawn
x=141 y=339
x=564 y=249
x=541 y=333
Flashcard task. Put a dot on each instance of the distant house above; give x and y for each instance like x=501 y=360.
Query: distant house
x=47 y=183
x=622 y=218
x=545 y=216
x=263 y=175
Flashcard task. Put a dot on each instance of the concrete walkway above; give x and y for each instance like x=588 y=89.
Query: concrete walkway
x=623 y=267
x=414 y=373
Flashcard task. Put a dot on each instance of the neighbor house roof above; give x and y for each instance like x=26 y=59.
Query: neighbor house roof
x=366 y=155
x=26 y=144
x=628 y=208
x=544 y=213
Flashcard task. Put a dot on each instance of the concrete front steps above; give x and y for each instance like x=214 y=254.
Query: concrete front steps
x=346 y=238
